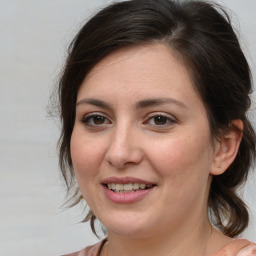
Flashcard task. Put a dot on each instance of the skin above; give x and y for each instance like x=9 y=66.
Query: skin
x=125 y=139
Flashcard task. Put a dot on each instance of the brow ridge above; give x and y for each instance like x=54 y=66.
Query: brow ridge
x=140 y=104
x=159 y=101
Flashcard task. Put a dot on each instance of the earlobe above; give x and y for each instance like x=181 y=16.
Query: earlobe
x=227 y=147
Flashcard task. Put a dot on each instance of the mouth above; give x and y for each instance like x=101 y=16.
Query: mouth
x=127 y=190
x=128 y=187
x=127 y=184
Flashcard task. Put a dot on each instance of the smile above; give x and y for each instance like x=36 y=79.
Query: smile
x=127 y=188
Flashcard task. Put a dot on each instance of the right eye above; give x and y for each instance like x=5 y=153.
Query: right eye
x=95 y=120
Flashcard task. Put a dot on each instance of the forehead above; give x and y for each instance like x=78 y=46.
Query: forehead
x=135 y=55
x=145 y=70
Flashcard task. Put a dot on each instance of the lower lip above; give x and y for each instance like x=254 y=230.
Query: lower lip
x=126 y=198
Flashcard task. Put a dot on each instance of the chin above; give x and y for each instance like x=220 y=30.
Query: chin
x=128 y=226
x=131 y=232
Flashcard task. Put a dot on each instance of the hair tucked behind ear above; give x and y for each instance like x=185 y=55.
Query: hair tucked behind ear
x=201 y=33
x=224 y=202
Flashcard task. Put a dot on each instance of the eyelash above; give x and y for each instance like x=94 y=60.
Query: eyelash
x=88 y=119
x=169 y=120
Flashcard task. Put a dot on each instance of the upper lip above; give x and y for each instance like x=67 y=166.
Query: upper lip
x=126 y=180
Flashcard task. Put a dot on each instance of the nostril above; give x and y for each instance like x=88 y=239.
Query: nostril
x=124 y=159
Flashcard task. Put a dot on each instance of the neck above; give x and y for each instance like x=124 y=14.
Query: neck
x=188 y=240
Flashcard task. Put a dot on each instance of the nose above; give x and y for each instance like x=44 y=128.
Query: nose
x=124 y=149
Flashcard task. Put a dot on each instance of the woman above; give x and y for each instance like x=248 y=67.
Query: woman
x=153 y=101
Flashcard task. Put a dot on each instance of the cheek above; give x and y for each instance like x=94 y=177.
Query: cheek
x=86 y=159
x=183 y=165
x=86 y=154
x=182 y=158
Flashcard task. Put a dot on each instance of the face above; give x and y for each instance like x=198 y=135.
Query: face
x=141 y=144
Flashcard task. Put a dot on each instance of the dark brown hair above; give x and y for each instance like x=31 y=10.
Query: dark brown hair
x=201 y=33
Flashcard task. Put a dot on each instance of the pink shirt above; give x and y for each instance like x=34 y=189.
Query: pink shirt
x=238 y=247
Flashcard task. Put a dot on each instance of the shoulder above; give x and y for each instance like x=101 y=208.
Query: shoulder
x=238 y=247
x=92 y=250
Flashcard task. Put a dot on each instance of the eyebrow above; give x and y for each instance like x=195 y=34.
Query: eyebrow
x=95 y=102
x=141 y=104
x=159 y=101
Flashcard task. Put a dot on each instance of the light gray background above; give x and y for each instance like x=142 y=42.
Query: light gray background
x=34 y=35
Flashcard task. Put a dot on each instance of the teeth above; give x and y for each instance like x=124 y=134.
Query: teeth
x=127 y=188
x=136 y=186
x=142 y=186
x=119 y=187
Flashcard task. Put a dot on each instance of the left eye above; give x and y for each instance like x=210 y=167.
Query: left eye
x=160 y=120
x=95 y=120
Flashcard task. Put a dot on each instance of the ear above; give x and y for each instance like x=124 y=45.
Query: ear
x=226 y=147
